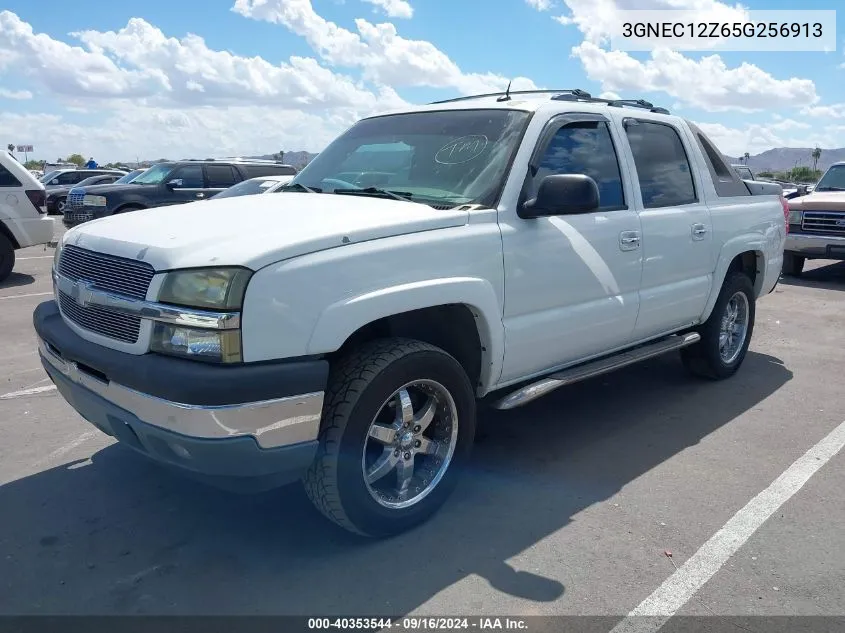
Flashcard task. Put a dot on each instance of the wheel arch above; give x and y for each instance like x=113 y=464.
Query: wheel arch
x=741 y=255
x=461 y=316
x=6 y=231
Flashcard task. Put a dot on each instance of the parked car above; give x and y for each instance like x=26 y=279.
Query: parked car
x=169 y=183
x=70 y=177
x=56 y=196
x=76 y=197
x=23 y=212
x=343 y=331
x=262 y=184
x=817 y=223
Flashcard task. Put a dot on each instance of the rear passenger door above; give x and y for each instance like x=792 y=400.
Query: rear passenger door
x=677 y=238
x=220 y=177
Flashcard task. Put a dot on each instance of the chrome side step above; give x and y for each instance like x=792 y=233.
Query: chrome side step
x=594 y=368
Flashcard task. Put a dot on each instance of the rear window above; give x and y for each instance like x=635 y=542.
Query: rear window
x=8 y=179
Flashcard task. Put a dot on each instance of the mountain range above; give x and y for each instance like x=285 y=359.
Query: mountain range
x=785 y=158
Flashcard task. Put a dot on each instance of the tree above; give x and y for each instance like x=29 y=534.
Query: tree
x=817 y=154
x=746 y=156
x=804 y=174
x=76 y=159
x=32 y=164
x=766 y=174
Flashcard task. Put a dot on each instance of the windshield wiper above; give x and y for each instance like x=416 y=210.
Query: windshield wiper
x=299 y=187
x=405 y=196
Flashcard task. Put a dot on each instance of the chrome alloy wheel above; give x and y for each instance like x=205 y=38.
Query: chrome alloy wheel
x=410 y=444
x=734 y=328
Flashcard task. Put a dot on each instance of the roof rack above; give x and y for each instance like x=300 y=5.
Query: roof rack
x=567 y=94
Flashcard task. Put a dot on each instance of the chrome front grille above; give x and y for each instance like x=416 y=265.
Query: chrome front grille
x=830 y=222
x=75 y=199
x=121 y=327
x=126 y=277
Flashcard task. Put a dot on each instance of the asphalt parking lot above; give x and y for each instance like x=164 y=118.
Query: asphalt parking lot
x=571 y=507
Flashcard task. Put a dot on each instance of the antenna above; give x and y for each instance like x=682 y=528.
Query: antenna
x=507 y=95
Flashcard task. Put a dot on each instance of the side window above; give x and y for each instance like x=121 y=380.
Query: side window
x=69 y=178
x=585 y=148
x=190 y=175
x=7 y=178
x=662 y=165
x=220 y=176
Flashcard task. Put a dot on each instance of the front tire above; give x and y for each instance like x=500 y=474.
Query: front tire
x=7 y=257
x=793 y=265
x=726 y=334
x=398 y=427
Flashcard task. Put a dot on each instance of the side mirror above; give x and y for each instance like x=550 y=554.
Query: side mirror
x=55 y=181
x=562 y=194
x=175 y=183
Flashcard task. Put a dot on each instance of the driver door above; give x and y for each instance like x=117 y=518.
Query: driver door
x=572 y=281
x=185 y=184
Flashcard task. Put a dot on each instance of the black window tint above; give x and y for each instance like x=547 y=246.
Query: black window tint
x=7 y=178
x=70 y=177
x=190 y=175
x=714 y=157
x=220 y=176
x=584 y=148
x=662 y=165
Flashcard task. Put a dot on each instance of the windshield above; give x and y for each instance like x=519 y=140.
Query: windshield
x=449 y=157
x=833 y=180
x=49 y=175
x=247 y=188
x=129 y=177
x=155 y=175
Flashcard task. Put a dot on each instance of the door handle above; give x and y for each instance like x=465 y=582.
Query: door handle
x=698 y=231
x=629 y=240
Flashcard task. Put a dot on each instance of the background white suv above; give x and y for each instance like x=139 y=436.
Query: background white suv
x=23 y=212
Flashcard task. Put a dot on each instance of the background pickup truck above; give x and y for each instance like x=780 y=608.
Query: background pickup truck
x=817 y=223
x=487 y=249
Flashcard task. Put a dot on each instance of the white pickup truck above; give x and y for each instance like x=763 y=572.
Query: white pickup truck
x=343 y=330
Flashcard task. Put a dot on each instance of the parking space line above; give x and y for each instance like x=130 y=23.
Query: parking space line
x=66 y=448
x=27 y=392
x=34 y=294
x=653 y=612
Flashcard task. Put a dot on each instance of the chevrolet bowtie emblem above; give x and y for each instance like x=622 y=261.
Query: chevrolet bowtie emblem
x=82 y=293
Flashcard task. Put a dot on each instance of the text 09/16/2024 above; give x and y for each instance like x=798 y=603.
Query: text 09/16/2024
x=728 y=30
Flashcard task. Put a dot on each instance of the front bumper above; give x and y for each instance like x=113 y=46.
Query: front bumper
x=248 y=427
x=32 y=231
x=73 y=216
x=816 y=246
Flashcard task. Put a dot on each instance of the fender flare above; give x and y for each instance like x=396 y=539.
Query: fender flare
x=748 y=242
x=341 y=319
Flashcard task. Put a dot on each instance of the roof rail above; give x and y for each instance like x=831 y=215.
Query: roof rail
x=574 y=94
x=582 y=94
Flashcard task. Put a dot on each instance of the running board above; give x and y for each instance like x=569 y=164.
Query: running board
x=594 y=368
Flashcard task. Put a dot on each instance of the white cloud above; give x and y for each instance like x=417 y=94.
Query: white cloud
x=783 y=125
x=382 y=55
x=755 y=138
x=19 y=95
x=395 y=8
x=540 y=5
x=707 y=83
x=833 y=111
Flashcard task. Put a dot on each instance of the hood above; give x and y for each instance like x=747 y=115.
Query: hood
x=255 y=231
x=104 y=190
x=820 y=201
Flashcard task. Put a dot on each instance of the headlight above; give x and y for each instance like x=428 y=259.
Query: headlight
x=94 y=201
x=218 y=346
x=214 y=288
x=795 y=216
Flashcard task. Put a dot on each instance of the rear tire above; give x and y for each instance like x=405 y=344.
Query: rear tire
x=373 y=436
x=726 y=334
x=793 y=265
x=7 y=257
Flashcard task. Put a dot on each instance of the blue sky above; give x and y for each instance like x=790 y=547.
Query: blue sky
x=206 y=77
